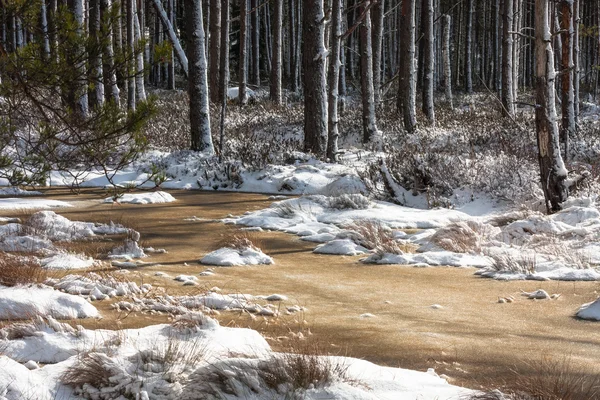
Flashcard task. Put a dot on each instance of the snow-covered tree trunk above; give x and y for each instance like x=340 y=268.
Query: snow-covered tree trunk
x=428 y=61
x=335 y=65
x=130 y=59
x=568 y=95
x=446 y=59
x=172 y=35
x=508 y=101
x=201 y=139
x=276 y=24
x=214 y=46
x=44 y=24
x=552 y=169
x=224 y=57
x=243 y=56
x=139 y=55
x=469 y=47
x=171 y=60
x=377 y=19
x=314 y=57
x=111 y=89
x=366 y=75
x=96 y=94
x=406 y=87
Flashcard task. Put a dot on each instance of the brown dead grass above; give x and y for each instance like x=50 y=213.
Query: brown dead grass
x=19 y=270
x=375 y=236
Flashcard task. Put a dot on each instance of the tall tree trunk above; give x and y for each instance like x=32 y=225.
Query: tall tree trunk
x=130 y=56
x=214 y=46
x=469 y=48
x=181 y=56
x=201 y=139
x=139 y=57
x=111 y=89
x=446 y=57
x=77 y=96
x=254 y=22
x=568 y=96
x=224 y=57
x=576 y=59
x=366 y=76
x=508 y=101
x=406 y=87
x=552 y=169
x=243 y=57
x=276 y=25
x=315 y=89
x=96 y=94
x=335 y=66
x=171 y=59
x=44 y=25
x=377 y=19
x=293 y=53
x=428 y=60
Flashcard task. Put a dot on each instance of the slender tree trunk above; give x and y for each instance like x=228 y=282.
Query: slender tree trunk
x=254 y=21
x=366 y=76
x=508 y=101
x=568 y=96
x=96 y=94
x=243 y=61
x=224 y=58
x=552 y=169
x=293 y=53
x=44 y=24
x=469 y=48
x=428 y=60
x=406 y=94
x=315 y=89
x=446 y=57
x=181 y=56
x=111 y=89
x=576 y=59
x=378 y=20
x=171 y=59
x=130 y=58
x=334 y=79
x=201 y=139
x=214 y=46
x=139 y=56
x=276 y=25
x=77 y=96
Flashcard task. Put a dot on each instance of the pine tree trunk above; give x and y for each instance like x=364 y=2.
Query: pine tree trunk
x=201 y=139
x=181 y=56
x=469 y=48
x=366 y=76
x=335 y=66
x=254 y=21
x=576 y=59
x=508 y=102
x=44 y=25
x=446 y=57
x=553 y=173
x=293 y=54
x=377 y=13
x=315 y=89
x=243 y=57
x=96 y=94
x=276 y=24
x=111 y=89
x=428 y=61
x=406 y=87
x=568 y=96
x=130 y=57
x=171 y=60
x=76 y=93
x=139 y=56
x=214 y=46
x=224 y=57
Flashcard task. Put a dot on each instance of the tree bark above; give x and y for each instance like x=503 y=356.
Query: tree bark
x=243 y=61
x=214 y=46
x=96 y=93
x=201 y=139
x=553 y=173
x=508 y=101
x=366 y=76
x=276 y=25
x=469 y=48
x=255 y=78
x=428 y=61
x=76 y=94
x=315 y=89
x=130 y=55
x=406 y=87
x=446 y=57
x=139 y=57
x=181 y=56
x=377 y=19
x=335 y=65
x=576 y=59
x=224 y=57
x=111 y=89
x=568 y=95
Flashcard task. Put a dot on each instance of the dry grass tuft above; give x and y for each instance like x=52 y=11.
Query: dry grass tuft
x=89 y=369
x=18 y=270
x=377 y=237
x=240 y=240
x=523 y=264
x=463 y=236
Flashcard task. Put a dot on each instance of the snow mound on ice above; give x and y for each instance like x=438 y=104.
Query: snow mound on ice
x=344 y=247
x=97 y=287
x=25 y=301
x=31 y=204
x=129 y=249
x=17 y=191
x=226 y=256
x=433 y=258
x=67 y=261
x=590 y=310
x=143 y=198
x=56 y=227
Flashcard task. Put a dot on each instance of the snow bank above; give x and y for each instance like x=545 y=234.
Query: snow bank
x=433 y=258
x=26 y=301
x=590 y=310
x=31 y=204
x=344 y=247
x=17 y=191
x=97 y=287
x=143 y=198
x=67 y=261
x=228 y=257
